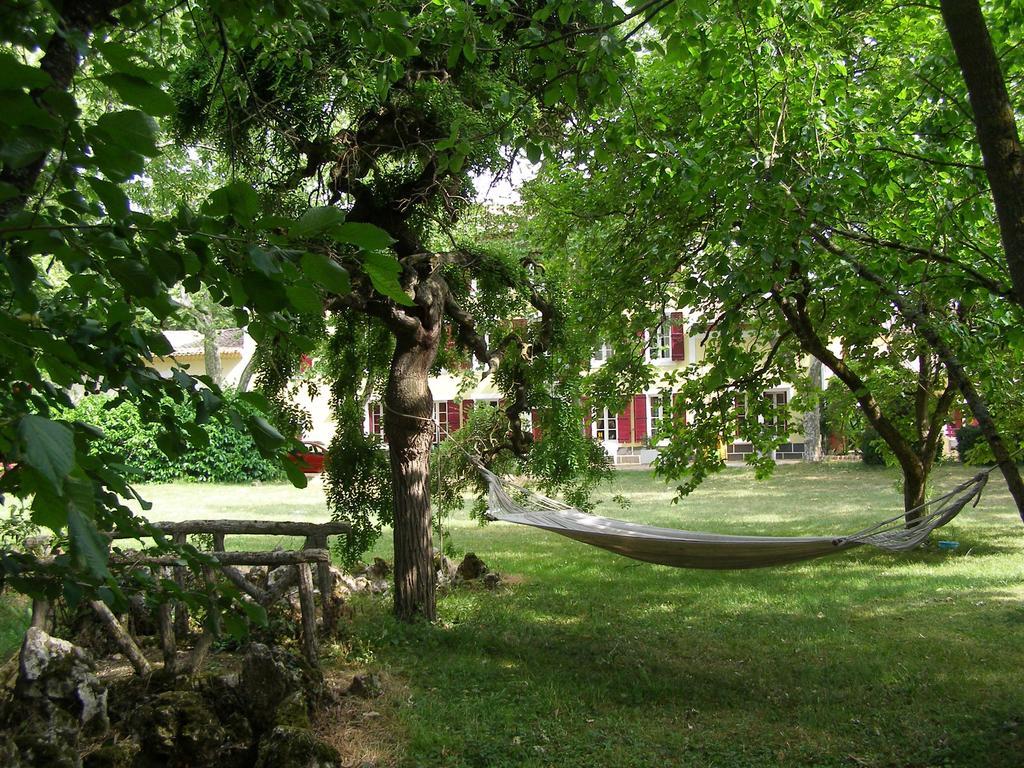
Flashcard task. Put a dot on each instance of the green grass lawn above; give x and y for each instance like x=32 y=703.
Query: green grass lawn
x=588 y=659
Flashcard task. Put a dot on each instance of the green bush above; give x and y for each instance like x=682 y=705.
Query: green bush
x=968 y=437
x=870 y=452
x=230 y=457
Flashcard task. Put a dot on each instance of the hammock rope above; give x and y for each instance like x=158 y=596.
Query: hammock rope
x=511 y=503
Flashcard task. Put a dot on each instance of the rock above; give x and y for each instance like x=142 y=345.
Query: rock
x=257 y=574
x=113 y=754
x=375 y=576
x=365 y=686
x=264 y=683
x=143 y=621
x=178 y=728
x=446 y=569
x=270 y=680
x=492 y=580
x=378 y=570
x=9 y=754
x=293 y=711
x=55 y=675
x=286 y=747
x=471 y=567
x=283 y=573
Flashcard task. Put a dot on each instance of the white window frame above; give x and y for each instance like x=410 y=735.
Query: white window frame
x=376 y=409
x=606 y=426
x=440 y=417
x=659 y=347
x=602 y=353
x=774 y=395
x=654 y=418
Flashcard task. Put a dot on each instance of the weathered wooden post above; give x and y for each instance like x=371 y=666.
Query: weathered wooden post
x=308 y=611
x=180 y=609
x=165 y=620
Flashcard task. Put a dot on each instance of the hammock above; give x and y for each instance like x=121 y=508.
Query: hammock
x=511 y=503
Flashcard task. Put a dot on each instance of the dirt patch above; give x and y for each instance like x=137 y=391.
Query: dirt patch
x=365 y=731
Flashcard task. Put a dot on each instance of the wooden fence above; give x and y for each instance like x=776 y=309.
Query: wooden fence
x=173 y=619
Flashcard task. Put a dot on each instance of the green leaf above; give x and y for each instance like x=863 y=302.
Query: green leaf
x=295 y=475
x=14 y=74
x=136 y=92
x=326 y=272
x=89 y=548
x=236 y=199
x=21 y=149
x=114 y=200
x=304 y=298
x=136 y=277
x=316 y=221
x=383 y=269
x=368 y=237
x=49 y=448
x=132 y=130
x=121 y=59
x=266 y=437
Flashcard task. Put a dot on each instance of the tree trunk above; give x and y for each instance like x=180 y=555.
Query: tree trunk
x=211 y=354
x=812 y=419
x=954 y=369
x=409 y=426
x=995 y=126
x=915 y=483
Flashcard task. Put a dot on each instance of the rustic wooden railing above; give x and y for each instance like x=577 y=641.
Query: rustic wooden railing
x=173 y=619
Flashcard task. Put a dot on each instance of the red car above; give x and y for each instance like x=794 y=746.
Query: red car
x=311 y=458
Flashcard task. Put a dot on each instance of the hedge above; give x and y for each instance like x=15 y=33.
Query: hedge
x=231 y=456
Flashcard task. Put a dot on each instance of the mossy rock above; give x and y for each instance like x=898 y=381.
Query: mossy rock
x=293 y=711
x=113 y=754
x=178 y=728
x=286 y=747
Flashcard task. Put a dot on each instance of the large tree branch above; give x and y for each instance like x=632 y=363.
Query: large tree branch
x=798 y=319
x=957 y=373
x=995 y=126
x=928 y=254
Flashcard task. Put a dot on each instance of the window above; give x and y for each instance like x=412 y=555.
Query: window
x=657 y=413
x=376 y=425
x=739 y=408
x=603 y=352
x=661 y=341
x=780 y=418
x=440 y=421
x=606 y=425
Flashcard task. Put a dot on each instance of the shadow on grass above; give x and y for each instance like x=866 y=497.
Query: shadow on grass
x=871 y=660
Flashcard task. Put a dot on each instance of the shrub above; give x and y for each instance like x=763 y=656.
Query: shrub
x=870 y=451
x=969 y=437
x=230 y=457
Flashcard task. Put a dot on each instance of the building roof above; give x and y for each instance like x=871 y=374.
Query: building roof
x=190 y=343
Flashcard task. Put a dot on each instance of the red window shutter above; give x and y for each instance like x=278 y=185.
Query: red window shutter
x=678 y=336
x=374 y=420
x=625 y=433
x=467 y=408
x=454 y=416
x=639 y=418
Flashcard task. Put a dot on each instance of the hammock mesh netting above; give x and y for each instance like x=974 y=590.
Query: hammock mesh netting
x=512 y=503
